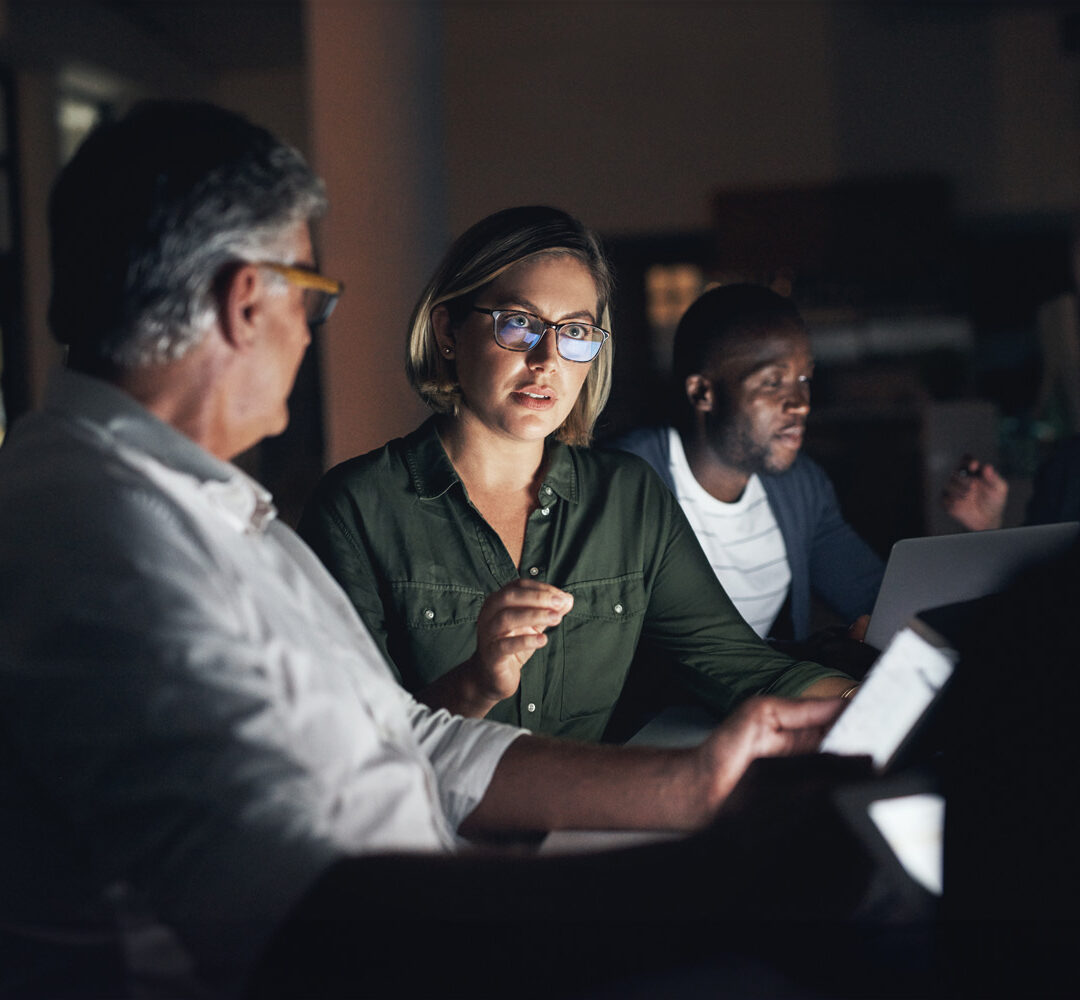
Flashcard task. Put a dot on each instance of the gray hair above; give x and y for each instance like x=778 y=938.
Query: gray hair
x=148 y=216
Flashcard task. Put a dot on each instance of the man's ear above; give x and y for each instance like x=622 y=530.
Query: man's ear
x=444 y=334
x=699 y=393
x=239 y=291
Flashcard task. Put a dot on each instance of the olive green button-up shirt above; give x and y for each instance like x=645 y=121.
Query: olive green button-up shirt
x=397 y=530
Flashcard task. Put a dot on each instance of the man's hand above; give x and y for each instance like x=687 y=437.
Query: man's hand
x=761 y=727
x=548 y=784
x=975 y=495
x=509 y=630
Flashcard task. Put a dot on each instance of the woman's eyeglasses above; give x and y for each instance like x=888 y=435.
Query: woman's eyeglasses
x=522 y=331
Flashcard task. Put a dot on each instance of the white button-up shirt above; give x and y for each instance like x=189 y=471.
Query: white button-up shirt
x=197 y=721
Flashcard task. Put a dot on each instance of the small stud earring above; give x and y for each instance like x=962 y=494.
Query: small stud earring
x=448 y=351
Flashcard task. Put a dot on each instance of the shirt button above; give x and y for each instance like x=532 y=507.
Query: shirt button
x=531 y=706
x=534 y=571
x=545 y=511
x=429 y=614
x=618 y=609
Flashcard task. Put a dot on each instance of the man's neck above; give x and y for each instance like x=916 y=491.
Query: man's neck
x=180 y=394
x=716 y=477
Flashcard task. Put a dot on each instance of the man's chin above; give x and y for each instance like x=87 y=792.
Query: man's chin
x=774 y=464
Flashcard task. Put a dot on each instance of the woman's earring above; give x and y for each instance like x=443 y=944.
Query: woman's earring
x=448 y=351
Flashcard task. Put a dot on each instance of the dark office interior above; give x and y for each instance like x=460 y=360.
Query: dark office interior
x=909 y=172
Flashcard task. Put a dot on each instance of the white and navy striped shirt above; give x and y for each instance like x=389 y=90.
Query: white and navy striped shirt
x=741 y=539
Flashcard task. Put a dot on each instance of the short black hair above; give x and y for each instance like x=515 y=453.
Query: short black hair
x=147 y=213
x=726 y=314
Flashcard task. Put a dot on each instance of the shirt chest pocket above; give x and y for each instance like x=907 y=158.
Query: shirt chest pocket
x=599 y=637
x=435 y=629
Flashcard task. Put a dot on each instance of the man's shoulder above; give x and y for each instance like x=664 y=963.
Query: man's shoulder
x=72 y=507
x=53 y=461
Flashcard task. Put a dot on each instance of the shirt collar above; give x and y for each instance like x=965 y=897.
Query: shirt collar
x=433 y=473
x=110 y=412
x=430 y=467
x=562 y=478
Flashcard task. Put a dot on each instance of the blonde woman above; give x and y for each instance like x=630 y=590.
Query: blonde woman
x=506 y=569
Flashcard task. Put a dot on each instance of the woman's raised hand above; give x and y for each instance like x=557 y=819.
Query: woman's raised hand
x=510 y=629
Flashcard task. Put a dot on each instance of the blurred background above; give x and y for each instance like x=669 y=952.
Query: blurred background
x=908 y=172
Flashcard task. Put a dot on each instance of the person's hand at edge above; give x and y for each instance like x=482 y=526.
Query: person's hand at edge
x=975 y=495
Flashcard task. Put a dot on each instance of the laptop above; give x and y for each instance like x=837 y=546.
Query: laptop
x=937 y=570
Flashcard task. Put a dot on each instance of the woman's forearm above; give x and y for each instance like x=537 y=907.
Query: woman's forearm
x=458 y=691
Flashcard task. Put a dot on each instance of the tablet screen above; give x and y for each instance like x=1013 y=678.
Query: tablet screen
x=896 y=693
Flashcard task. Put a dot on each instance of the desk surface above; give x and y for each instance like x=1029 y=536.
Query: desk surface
x=676 y=726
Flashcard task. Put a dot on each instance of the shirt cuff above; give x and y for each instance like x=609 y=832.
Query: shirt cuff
x=463 y=753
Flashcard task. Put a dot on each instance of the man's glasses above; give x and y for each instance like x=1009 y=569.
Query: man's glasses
x=522 y=331
x=320 y=292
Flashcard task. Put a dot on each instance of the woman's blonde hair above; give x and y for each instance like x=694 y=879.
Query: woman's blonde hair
x=477 y=258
